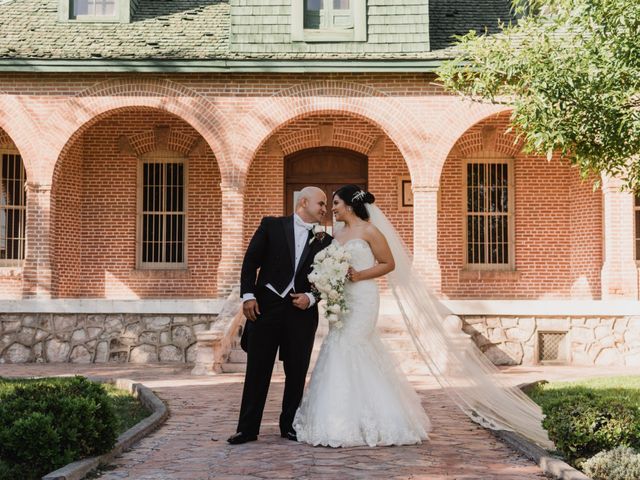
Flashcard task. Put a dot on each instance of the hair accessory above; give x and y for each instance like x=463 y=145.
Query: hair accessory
x=359 y=196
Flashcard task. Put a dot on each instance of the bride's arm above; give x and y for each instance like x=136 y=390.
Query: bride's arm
x=381 y=252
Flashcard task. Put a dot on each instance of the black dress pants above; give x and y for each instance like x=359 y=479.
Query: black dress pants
x=280 y=325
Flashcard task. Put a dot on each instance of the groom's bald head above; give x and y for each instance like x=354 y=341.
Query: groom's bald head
x=308 y=194
x=311 y=204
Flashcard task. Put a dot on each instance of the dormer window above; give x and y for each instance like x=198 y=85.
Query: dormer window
x=100 y=11
x=328 y=21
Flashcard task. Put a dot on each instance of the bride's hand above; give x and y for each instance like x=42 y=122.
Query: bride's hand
x=353 y=274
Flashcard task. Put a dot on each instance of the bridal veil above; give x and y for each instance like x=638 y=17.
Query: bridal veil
x=461 y=369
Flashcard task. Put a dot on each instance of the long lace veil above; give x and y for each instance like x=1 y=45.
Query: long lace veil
x=460 y=368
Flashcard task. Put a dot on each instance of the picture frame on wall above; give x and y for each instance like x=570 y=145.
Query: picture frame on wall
x=405 y=193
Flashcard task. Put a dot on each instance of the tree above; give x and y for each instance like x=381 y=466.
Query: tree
x=570 y=69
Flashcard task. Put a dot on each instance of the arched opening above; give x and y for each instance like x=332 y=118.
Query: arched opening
x=328 y=149
x=136 y=209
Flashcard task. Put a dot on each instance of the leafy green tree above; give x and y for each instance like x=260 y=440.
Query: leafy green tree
x=570 y=69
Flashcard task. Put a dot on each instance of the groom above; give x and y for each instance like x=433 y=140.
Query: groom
x=281 y=311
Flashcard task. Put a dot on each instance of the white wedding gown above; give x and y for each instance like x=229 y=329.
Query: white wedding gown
x=357 y=395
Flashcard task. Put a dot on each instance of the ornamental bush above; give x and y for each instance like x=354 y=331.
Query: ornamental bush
x=44 y=425
x=621 y=463
x=582 y=424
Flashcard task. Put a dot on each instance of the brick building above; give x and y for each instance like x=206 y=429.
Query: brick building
x=142 y=141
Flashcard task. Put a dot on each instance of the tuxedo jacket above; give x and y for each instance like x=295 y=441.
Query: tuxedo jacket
x=271 y=251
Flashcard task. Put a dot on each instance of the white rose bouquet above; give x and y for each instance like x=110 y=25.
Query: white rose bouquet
x=329 y=275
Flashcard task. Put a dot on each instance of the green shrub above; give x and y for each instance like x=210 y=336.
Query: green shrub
x=45 y=425
x=621 y=463
x=581 y=423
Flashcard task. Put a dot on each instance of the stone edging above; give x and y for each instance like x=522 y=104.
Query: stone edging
x=552 y=466
x=78 y=470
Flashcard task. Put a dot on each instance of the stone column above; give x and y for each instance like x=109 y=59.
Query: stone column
x=425 y=234
x=619 y=276
x=37 y=263
x=231 y=237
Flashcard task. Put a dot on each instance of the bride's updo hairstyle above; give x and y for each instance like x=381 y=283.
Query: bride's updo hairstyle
x=355 y=198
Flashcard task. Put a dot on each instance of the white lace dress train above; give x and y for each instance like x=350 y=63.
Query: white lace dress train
x=357 y=395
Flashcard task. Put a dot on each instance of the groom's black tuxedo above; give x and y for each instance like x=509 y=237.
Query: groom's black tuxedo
x=280 y=325
x=272 y=251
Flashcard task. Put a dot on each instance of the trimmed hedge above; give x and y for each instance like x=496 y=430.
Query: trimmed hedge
x=45 y=425
x=584 y=421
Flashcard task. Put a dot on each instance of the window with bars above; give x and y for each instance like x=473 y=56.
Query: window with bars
x=637 y=222
x=488 y=221
x=162 y=211
x=328 y=20
x=552 y=347
x=13 y=206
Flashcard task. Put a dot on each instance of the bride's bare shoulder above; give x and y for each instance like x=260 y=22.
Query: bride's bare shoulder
x=371 y=232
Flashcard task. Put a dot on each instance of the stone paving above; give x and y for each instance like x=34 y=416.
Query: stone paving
x=191 y=444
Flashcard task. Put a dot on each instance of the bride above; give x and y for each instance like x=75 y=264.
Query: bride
x=356 y=395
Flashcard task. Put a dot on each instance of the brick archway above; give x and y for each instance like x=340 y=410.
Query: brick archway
x=94 y=103
x=329 y=97
x=23 y=132
x=95 y=207
x=461 y=116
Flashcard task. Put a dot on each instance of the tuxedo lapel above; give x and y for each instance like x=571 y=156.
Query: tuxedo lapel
x=289 y=235
x=305 y=254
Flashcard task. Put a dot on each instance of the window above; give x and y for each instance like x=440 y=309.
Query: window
x=328 y=14
x=637 y=222
x=162 y=211
x=94 y=8
x=488 y=223
x=13 y=205
x=105 y=11
x=328 y=20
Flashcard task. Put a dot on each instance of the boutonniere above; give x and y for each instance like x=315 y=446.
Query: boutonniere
x=318 y=232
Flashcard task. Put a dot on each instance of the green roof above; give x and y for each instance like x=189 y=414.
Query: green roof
x=200 y=30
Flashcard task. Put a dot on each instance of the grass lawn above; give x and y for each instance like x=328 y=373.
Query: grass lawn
x=127 y=408
x=627 y=387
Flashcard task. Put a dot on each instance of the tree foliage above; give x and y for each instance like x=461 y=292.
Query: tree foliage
x=570 y=69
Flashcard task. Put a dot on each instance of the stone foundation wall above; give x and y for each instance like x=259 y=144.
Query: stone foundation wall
x=512 y=340
x=97 y=338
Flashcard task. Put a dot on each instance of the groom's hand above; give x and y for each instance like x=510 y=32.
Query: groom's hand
x=251 y=310
x=300 y=300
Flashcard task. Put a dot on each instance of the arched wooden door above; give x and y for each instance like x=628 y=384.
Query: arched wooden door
x=327 y=168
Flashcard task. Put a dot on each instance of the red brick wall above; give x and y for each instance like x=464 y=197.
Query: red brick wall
x=558 y=244
x=557 y=225
x=265 y=183
x=95 y=204
x=586 y=237
x=66 y=220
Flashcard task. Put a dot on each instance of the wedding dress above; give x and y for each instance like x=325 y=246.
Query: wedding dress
x=357 y=395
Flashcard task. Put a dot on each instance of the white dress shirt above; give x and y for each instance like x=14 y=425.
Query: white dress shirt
x=301 y=236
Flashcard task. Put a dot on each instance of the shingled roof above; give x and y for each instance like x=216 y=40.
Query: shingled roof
x=198 y=30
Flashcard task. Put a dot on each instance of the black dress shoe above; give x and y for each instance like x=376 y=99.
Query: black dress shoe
x=238 y=438
x=289 y=435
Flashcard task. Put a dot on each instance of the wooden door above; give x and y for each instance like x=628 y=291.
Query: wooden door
x=327 y=168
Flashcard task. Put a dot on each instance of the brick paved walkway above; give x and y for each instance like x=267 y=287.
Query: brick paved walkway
x=206 y=407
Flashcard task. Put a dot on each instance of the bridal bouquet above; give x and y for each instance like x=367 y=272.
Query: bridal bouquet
x=328 y=277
